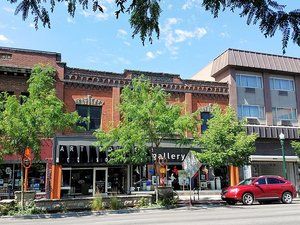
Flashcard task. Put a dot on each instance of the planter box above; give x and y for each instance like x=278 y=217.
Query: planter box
x=52 y=205
x=28 y=196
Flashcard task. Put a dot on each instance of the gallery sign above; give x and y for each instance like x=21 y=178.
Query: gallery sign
x=170 y=154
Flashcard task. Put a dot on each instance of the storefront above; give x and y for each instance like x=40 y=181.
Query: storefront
x=10 y=179
x=268 y=160
x=207 y=178
x=85 y=171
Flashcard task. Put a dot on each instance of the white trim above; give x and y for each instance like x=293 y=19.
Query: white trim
x=279 y=78
x=259 y=109
x=94 y=179
x=249 y=75
x=273 y=158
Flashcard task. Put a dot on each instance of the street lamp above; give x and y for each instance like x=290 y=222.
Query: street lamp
x=281 y=137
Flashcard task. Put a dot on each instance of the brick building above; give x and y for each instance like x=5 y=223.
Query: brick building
x=71 y=164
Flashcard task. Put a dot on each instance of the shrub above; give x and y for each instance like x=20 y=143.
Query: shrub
x=142 y=202
x=168 y=199
x=15 y=209
x=97 y=203
x=115 y=203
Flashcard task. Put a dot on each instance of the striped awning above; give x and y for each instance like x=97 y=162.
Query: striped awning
x=273 y=131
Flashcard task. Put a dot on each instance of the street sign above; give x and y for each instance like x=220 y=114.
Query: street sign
x=191 y=164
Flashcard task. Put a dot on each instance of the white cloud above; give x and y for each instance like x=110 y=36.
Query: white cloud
x=173 y=36
x=150 y=55
x=122 y=33
x=5 y=39
x=127 y=43
x=70 y=20
x=97 y=15
x=170 y=6
x=90 y=39
x=8 y=9
x=224 y=35
x=101 y=16
x=190 y=4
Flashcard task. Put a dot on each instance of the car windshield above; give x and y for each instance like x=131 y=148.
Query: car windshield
x=246 y=181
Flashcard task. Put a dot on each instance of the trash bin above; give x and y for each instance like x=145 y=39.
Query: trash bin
x=218 y=183
x=212 y=185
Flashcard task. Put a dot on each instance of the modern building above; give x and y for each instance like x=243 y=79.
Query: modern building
x=70 y=163
x=264 y=89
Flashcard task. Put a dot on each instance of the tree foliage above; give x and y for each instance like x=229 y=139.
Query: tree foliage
x=39 y=116
x=144 y=14
x=296 y=147
x=225 y=142
x=147 y=119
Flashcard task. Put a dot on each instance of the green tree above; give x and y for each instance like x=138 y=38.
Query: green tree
x=39 y=116
x=225 y=142
x=296 y=147
x=145 y=14
x=147 y=119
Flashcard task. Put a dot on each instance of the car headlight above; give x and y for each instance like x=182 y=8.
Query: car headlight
x=234 y=190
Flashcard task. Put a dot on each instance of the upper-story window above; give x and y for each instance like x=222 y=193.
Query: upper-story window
x=93 y=113
x=284 y=113
x=205 y=116
x=282 y=84
x=254 y=111
x=250 y=81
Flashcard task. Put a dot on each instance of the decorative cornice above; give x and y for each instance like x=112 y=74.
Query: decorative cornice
x=197 y=87
x=207 y=108
x=88 y=100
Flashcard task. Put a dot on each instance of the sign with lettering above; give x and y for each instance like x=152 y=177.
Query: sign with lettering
x=170 y=154
x=191 y=164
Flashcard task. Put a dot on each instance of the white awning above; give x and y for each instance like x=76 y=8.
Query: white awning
x=273 y=158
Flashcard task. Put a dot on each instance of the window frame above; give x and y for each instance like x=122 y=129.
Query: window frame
x=261 y=178
x=276 y=117
x=88 y=123
x=279 y=78
x=238 y=84
x=263 y=111
x=279 y=181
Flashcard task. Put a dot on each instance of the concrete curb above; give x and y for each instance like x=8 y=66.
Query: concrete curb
x=83 y=213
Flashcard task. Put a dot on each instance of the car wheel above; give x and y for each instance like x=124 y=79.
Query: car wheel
x=248 y=199
x=231 y=202
x=287 y=197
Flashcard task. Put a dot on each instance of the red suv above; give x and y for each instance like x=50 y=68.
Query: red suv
x=263 y=188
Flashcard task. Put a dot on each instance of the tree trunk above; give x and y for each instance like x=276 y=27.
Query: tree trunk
x=22 y=187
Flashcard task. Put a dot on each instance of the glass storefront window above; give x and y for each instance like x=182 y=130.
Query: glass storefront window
x=37 y=177
x=6 y=181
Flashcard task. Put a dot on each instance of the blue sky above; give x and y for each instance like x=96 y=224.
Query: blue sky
x=190 y=38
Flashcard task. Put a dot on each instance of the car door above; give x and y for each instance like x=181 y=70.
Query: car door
x=275 y=187
x=260 y=189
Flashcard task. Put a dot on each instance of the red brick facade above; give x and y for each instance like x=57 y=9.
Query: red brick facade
x=73 y=84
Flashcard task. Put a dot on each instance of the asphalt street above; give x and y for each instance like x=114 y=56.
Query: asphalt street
x=209 y=215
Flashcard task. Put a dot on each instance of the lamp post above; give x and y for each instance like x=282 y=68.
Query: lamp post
x=281 y=137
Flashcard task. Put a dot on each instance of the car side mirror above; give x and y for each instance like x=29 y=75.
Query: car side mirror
x=256 y=183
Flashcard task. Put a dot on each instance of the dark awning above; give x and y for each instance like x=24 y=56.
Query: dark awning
x=273 y=131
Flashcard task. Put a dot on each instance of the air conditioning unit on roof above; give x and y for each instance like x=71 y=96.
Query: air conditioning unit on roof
x=253 y=120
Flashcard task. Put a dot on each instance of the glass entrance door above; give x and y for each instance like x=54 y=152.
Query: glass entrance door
x=100 y=180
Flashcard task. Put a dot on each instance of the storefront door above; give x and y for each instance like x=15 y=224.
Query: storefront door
x=100 y=180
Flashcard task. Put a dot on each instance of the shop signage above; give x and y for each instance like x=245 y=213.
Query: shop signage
x=170 y=154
